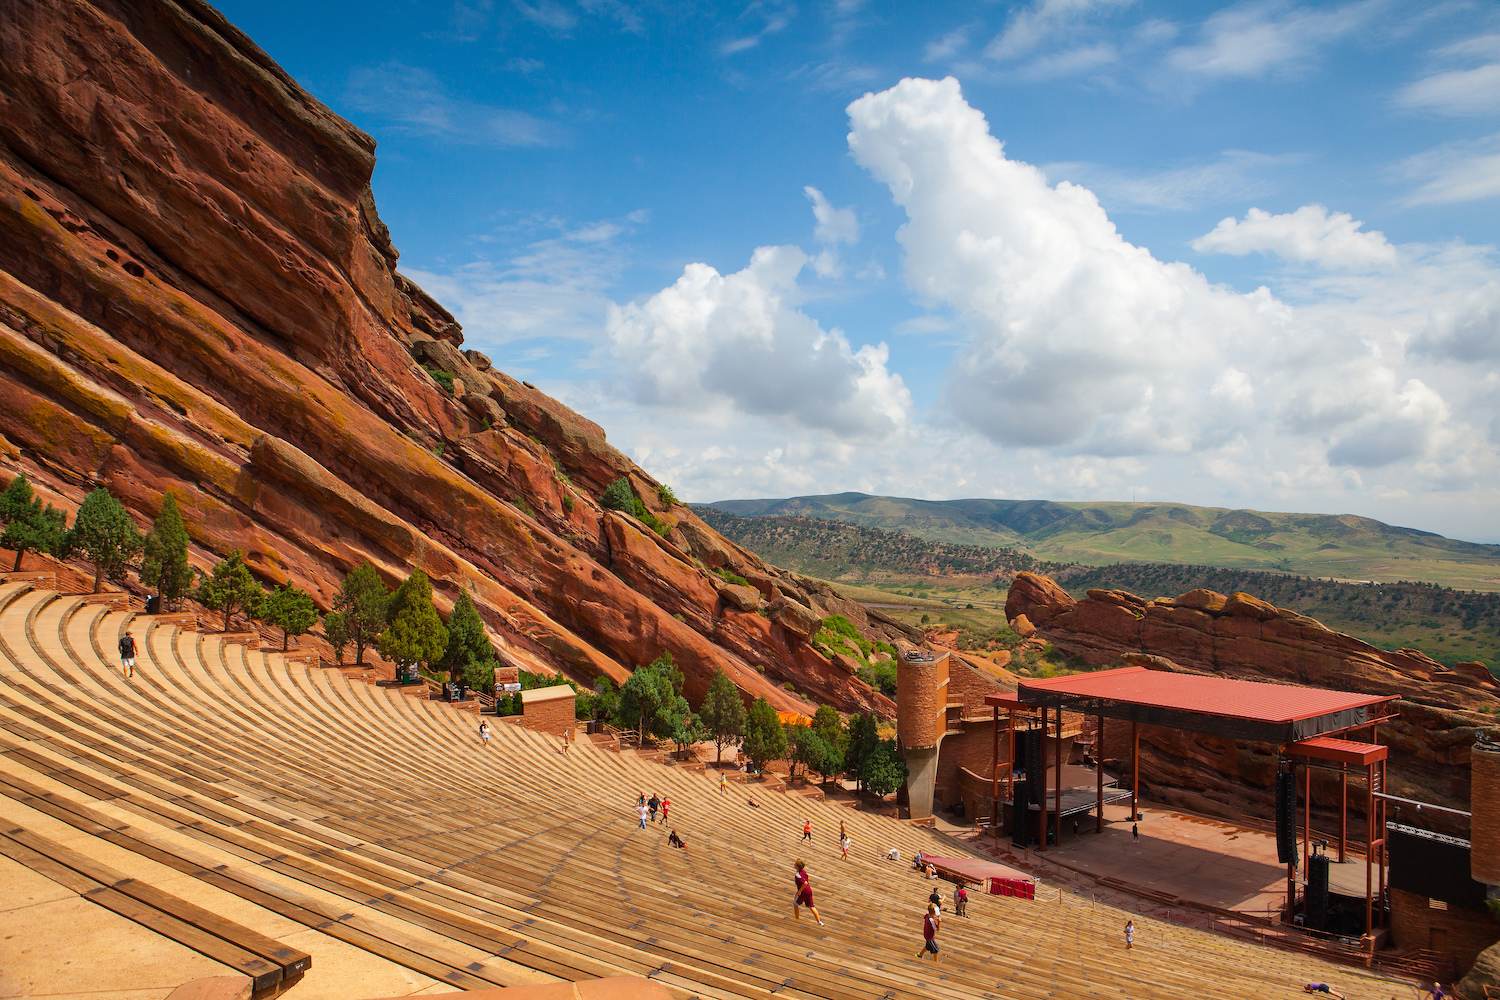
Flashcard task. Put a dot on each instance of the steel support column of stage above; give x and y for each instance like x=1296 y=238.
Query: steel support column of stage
x=1057 y=781
x=1135 y=771
x=1040 y=781
x=995 y=777
x=1099 y=773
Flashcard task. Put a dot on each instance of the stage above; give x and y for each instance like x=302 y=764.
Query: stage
x=1193 y=859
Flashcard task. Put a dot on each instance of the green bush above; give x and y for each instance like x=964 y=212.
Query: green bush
x=730 y=576
x=881 y=677
x=619 y=496
x=443 y=379
x=666 y=496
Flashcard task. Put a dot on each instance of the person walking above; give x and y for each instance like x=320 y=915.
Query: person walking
x=644 y=812
x=960 y=902
x=127 y=654
x=565 y=741
x=807 y=830
x=804 y=897
x=723 y=783
x=666 y=807
x=1129 y=934
x=653 y=803
x=935 y=899
x=930 y=925
x=1135 y=832
x=484 y=735
x=844 y=844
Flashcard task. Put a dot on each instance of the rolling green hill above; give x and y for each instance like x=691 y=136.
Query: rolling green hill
x=1342 y=546
x=833 y=550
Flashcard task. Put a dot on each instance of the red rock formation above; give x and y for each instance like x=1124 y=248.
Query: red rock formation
x=1242 y=636
x=198 y=296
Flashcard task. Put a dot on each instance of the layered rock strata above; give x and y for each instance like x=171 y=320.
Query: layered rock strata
x=197 y=296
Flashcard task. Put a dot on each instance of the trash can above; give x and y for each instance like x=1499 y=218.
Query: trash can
x=153 y=604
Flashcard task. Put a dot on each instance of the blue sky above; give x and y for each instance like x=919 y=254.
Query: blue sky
x=1236 y=255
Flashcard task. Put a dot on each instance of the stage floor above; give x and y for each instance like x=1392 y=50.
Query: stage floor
x=1192 y=857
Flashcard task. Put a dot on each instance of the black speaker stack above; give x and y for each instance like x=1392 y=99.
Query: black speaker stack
x=1317 y=892
x=1020 y=814
x=1286 y=817
x=1032 y=745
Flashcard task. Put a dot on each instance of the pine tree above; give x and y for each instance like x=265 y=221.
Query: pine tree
x=30 y=527
x=765 y=740
x=723 y=712
x=885 y=770
x=291 y=610
x=469 y=656
x=336 y=631
x=164 y=564
x=648 y=695
x=232 y=588
x=361 y=606
x=105 y=534
x=862 y=741
x=414 y=633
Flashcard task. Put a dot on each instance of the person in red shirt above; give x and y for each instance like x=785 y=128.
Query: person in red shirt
x=807 y=830
x=804 y=897
x=666 y=807
x=930 y=925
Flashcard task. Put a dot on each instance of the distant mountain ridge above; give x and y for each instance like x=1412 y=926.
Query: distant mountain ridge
x=1345 y=546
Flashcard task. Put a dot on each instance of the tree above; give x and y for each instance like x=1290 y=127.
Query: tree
x=164 y=562
x=647 y=698
x=105 y=534
x=806 y=747
x=290 y=610
x=764 y=738
x=414 y=633
x=685 y=727
x=232 y=588
x=604 y=703
x=723 y=712
x=862 y=741
x=828 y=725
x=336 y=631
x=619 y=496
x=885 y=770
x=361 y=605
x=469 y=656
x=30 y=527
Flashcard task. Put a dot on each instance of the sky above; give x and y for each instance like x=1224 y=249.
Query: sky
x=1237 y=255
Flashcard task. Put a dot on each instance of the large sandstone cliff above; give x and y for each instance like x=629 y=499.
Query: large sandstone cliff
x=1240 y=636
x=197 y=296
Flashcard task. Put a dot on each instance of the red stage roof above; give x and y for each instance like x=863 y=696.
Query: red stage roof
x=1215 y=705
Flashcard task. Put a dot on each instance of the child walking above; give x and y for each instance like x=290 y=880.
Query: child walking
x=1129 y=934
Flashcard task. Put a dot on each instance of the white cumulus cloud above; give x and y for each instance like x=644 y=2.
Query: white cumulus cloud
x=836 y=226
x=1310 y=235
x=1083 y=343
x=714 y=345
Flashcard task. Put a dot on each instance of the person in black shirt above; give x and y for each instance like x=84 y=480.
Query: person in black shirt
x=936 y=900
x=127 y=654
x=653 y=804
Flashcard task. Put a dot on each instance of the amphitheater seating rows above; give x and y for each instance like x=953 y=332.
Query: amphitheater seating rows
x=381 y=822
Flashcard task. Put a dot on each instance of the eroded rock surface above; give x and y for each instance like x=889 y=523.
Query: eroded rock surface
x=197 y=295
